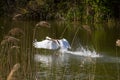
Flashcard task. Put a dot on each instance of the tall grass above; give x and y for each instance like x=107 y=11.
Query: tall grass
x=22 y=53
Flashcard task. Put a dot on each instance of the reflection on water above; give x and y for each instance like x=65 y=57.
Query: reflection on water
x=84 y=55
x=47 y=60
x=83 y=60
x=93 y=56
x=109 y=59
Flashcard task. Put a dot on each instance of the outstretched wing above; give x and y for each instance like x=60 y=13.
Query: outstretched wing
x=64 y=44
x=46 y=44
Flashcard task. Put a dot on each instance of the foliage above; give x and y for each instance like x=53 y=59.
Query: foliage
x=86 y=10
x=74 y=14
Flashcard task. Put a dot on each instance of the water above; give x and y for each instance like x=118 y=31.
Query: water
x=93 y=54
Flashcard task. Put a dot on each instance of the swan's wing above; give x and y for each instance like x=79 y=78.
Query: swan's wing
x=64 y=44
x=46 y=44
x=41 y=44
x=54 y=45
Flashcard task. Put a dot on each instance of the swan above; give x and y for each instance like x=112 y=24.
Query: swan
x=63 y=46
x=52 y=44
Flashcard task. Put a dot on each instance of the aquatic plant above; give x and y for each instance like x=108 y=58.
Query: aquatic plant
x=43 y=24
x=17 y=16
x=16 y=32
x=9 y=40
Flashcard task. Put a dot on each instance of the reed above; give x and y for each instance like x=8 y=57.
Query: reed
x=12 y=72
x=11 y=52
x=27 y=56
x=77 y=30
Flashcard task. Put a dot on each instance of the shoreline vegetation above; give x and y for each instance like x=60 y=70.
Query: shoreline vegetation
x=91 y=11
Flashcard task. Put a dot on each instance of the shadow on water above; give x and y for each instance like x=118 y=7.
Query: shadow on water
x=93 y=56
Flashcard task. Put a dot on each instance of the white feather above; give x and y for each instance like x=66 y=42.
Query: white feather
x=52 y=44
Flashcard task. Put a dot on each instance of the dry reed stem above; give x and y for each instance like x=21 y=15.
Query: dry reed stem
x=14 y=69
x=75 y=36
x=43 y=24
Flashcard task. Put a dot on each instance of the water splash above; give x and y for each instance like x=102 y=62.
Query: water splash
x=82 y=52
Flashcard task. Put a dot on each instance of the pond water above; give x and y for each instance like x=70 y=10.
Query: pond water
x=93 y=54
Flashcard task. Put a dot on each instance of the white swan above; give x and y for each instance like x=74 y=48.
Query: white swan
x=63 y=45
x=52 y=44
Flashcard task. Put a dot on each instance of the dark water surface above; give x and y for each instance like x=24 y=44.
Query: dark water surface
x=39 y=64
